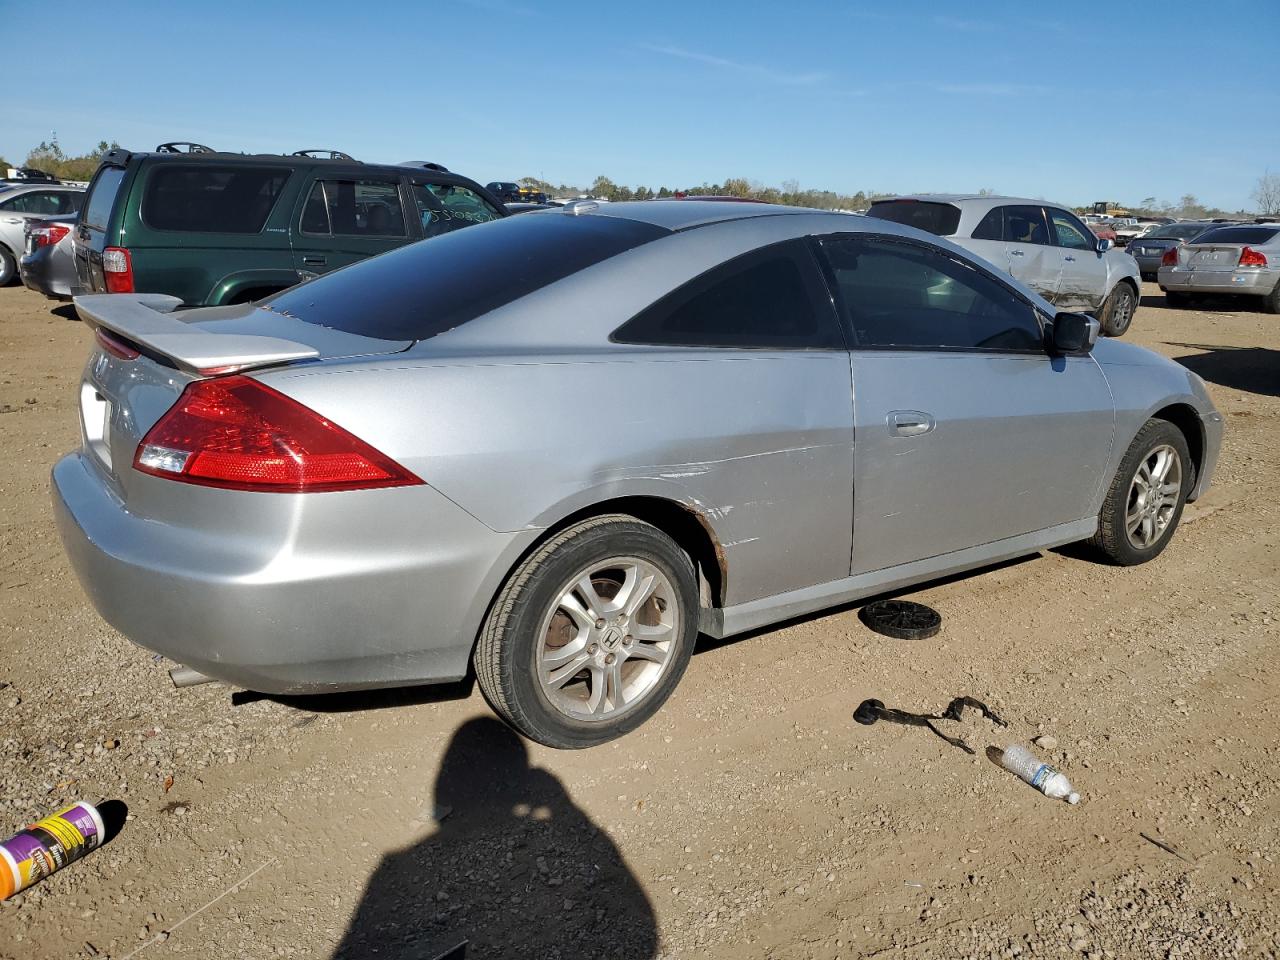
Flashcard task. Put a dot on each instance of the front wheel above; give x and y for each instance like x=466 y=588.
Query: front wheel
x=1145 y=500
x=590 y=634
x=1117 y=311
x=8 y=267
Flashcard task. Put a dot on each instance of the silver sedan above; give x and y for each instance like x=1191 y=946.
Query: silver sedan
x=555 y=448
x=1234 y=259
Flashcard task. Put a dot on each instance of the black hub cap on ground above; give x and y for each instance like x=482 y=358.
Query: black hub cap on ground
x=901 y=619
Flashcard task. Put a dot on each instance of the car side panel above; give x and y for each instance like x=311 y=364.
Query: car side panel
x=758 y=444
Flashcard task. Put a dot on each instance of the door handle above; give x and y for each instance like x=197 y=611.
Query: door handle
x=13 y=220
x=1017 y=253
x=1069 y=259
x=314 y=261
x=910 y=423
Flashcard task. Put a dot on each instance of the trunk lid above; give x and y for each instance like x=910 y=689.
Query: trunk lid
x=1213 y=257
x=146 y=355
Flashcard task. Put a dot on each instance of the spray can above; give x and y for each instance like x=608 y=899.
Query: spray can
x=48 y=845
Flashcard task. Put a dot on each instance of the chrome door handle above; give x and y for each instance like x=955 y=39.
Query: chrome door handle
x=1016 y=253
x=13 y=220
x=1069 y=259
x=314 y=261
x=910 y=423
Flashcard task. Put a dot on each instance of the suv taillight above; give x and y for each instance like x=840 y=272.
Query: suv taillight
x=239 y=434
x=49 y=234
x=1252 y=258
x=1170 y=258
x=117 y=270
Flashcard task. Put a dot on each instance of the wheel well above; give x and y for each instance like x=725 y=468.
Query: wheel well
x=684 y=525
x=1187 y=420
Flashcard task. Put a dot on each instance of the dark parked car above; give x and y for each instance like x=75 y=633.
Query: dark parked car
x=504 y=190
x=1149 y=248
x=214 y=228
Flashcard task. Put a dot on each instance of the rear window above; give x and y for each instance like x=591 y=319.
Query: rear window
x=936 y=218
x=102 y=197
x=209 y=198
x=1238 y=235
x=1176 y=232
x=429 y=287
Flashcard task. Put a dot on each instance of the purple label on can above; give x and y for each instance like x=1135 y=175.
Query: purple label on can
x=48 y=845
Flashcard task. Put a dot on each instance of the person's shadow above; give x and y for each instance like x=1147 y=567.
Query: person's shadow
x=514 y=868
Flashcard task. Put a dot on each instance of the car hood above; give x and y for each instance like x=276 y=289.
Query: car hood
x=1111 y=352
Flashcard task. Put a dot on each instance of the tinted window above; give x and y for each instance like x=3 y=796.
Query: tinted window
x=102 y=197
x=898 y=294
x=1025 y=225
x=764 y=299
x=1177 y=231
x=443 y=207
x=354 y=208
x=1257 y=235
x=205 y=198
x=939 y=218
x=992 y=225
x=1069 y=232
x=423 y=289
x=44 y=202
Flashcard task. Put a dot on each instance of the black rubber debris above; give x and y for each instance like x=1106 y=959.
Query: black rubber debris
x=869 y=711
x=901 y=619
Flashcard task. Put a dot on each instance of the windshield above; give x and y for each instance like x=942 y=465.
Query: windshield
x=937 y=218
x=430 y=287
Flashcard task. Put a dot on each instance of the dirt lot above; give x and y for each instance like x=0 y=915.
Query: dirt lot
x=751 y=818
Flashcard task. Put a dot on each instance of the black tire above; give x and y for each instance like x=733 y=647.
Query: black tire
x=1176 y=300
x=1148 y=278
x=8 y=267
x=1271 y=302
x=506 y=658
x=1117 y=312
x=1113 y=538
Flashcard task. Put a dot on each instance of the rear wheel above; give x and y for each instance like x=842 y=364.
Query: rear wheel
x=1117 y=311
x=8 y=267
x=1271 y=302
x=1145 y=500
x=590 y=634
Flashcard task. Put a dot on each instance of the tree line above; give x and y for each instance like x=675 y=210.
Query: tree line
x=49 y=157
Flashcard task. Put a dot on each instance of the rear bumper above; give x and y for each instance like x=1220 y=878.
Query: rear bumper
x=45 y=272
x=1255 y=282
x=293 y=614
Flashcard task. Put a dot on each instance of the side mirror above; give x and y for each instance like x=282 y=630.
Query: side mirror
x=1104 y=245
x=1072 y=333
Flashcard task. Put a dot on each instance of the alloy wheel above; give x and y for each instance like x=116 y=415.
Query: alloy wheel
x=1153 y=497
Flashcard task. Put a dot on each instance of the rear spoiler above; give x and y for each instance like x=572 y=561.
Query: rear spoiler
x=145 y=319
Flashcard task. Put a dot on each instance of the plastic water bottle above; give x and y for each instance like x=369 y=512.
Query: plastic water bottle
x=1052 y=783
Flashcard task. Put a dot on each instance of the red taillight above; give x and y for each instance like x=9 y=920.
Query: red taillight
x=49 y=234
x=117 y=269
x=117 y=348
x=237 y=433
x=1170 y=258
x=1252 y=258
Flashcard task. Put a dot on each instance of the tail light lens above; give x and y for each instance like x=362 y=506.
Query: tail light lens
x=1170 y=258
x=117 y=269
x=239 y=434
x=1252 y=258
x=49 y=235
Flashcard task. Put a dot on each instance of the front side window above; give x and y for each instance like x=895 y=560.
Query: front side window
x=1025 y=225
x=766 y=299
x=354 y=208
x=443 y=207
x=1068 y=232
x=212 y=198
x=36 y=201
x=905 y=295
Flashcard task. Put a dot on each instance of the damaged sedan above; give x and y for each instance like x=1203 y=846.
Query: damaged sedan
x=552 y=450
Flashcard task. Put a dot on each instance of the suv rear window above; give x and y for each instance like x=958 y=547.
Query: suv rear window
x=1238 y=235
x=428 y=288
x=211 y=198
x=102 y=197
x=936 y=218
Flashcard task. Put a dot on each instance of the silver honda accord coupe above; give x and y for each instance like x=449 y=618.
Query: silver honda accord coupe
x=554 y=449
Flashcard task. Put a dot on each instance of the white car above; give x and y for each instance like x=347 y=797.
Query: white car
x=21 y=202
x=1044 y=245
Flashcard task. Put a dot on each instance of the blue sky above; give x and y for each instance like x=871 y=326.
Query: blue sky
x=1075 y=102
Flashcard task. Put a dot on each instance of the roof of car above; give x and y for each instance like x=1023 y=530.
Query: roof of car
x=682 y=216
x=988 y=199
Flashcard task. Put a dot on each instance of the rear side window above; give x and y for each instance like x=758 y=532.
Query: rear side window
x=765 y=299
x=992 y=225
x=41 y=202
x=424 y=289
x=1257 y=235
x=102 y=197
x=937 y=218
x=210 y=198
x=354 y=208
x=443 y=207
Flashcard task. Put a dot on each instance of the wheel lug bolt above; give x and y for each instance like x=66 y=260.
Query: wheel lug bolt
x=626 y=641
x=609 y=659
x=592 y=649
x=600 y=624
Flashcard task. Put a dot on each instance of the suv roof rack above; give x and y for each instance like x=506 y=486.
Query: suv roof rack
x=324 y=155
x=175 y=146
x=426 y=165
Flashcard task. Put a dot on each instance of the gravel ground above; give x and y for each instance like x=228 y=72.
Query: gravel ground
x=750 y=818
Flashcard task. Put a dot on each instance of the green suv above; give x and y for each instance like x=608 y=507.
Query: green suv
x=215 y=228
